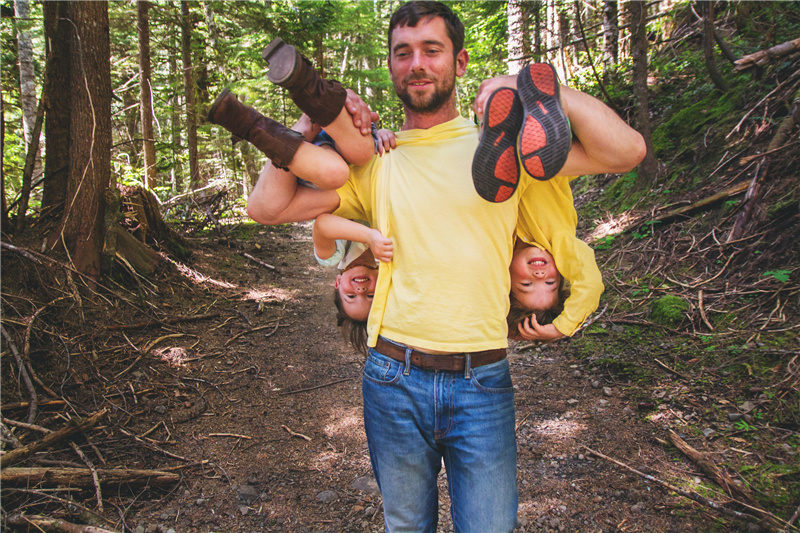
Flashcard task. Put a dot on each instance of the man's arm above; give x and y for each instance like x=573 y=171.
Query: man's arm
x=604 y=142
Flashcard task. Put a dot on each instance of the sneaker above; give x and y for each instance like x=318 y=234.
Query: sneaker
x=495 y=166
x=545 y=137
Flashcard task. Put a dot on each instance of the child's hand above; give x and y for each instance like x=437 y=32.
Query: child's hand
x=530 y=330
x=307 y=128
x=386 y=141
x=382 y=247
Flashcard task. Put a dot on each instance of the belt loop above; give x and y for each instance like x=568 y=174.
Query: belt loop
x=407 y=370
x=467 y=367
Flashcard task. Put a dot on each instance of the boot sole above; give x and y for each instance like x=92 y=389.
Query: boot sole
x=544 y=139
x=213 y=109
x=495 y=166
x=283 y=60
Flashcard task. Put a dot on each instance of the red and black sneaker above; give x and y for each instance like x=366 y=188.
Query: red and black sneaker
x=495 y=167
x=545 y=137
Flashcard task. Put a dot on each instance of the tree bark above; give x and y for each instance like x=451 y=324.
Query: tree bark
x=648 y=168
x=610 y=32
x=81 y=231
x=189 y=93
x=58 y=115
x=708 y=46
x=27 y=79
x=146 y=94
x=175 y=124
x=515 y=44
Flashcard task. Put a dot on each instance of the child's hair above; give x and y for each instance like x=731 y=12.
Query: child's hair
x=517 y=313
x=353 y=331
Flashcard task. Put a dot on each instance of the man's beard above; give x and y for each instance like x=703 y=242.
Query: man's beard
x=426 y=104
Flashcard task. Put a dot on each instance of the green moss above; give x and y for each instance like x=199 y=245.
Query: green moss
x=668 y=310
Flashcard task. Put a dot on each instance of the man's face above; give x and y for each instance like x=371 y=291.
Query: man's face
x=422 y=66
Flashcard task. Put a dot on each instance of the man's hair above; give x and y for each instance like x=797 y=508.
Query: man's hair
x=517 y=313
x=353 y=331
x=409 y=14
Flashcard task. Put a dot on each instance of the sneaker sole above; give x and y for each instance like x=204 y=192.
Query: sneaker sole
x=495 y=166
x=544 y=139
x=282 y=59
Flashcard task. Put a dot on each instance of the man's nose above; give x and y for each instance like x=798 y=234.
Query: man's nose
x=360 y=288
x=416 y=61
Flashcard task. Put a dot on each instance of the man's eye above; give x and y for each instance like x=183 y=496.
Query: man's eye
x=550 y=282
x=370 y=296
x=351 y=296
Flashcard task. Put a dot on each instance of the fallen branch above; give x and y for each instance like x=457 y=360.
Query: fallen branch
x=700 y=205
x=175 y=320
x=23 y=372
x=82 y=477
x=764 y=57
x=76 y=425
x=259 y=261
x=316 y=386
x=45 y=523
x=293 y=434
x=253 y=330
x=721 y=478
x=691 y=495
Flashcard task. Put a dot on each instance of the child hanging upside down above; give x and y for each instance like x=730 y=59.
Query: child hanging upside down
x=527 y=133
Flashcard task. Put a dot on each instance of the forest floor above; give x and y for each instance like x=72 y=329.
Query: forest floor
x=257 y=406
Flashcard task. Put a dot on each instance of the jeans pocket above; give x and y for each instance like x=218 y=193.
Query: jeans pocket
x=381 y=369
x=495 y=377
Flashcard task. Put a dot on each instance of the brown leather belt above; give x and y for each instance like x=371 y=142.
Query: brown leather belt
x=448 y=362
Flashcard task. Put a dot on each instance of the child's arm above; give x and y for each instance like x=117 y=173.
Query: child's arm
x=328 y=228
x=386 y=141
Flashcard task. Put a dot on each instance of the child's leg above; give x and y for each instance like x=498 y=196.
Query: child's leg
x=605 y=143
x=321 y=99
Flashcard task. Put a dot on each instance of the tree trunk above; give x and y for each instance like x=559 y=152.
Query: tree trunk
x=610 y=32
x=648 y=168
x=90 y=148
x=4 y=222
x=189 y=93
x=175 y=123
x=145 y=94
x=708 y=46
x=537 y=36
x=58 y=115
x=515 y=44
x=27 y=78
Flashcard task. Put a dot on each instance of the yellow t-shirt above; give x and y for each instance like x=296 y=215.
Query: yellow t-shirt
x=547 y=218
x=447 y=286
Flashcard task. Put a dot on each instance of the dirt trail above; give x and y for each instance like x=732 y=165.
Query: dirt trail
x=260 y=410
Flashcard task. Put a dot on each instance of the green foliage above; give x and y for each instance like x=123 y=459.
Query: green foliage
x=668 y=310
x=780 y=275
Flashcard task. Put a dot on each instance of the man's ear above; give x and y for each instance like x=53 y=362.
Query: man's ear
x=462 y=58
x=338 y=281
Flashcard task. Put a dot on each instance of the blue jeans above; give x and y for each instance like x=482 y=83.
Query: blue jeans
x=414 y=418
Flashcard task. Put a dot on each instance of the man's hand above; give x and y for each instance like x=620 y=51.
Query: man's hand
x=382 y=247
x=488 y=87
x=386 y=141
x=530 y=330
x=362 y=116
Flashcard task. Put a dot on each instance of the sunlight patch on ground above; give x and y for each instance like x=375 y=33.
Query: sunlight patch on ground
x=559 y=428
x=271 y=294
x=613 y=225
x=200 y=278
x=344 y=425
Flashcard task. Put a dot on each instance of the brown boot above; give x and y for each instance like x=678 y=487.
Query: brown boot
x=277 y=141
x=322 y=100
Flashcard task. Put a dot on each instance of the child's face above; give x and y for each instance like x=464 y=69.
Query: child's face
x=534 y=278
x=356 y=287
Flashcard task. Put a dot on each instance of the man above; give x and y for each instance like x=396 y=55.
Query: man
x=436 y=384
